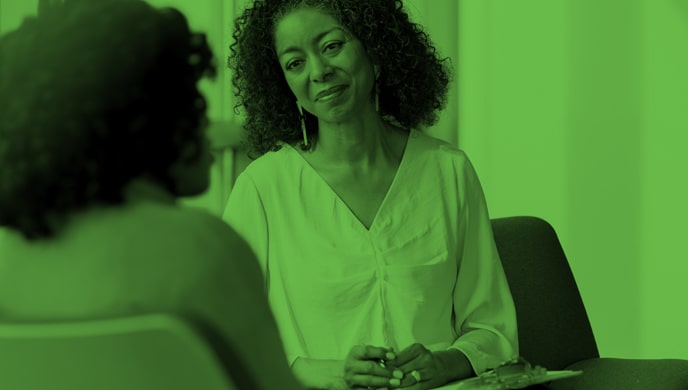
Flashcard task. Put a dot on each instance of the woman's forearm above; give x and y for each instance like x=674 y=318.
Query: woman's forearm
x=319 y=374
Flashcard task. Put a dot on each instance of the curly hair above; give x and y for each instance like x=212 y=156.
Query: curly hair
x=92 y=95
x=413 y=84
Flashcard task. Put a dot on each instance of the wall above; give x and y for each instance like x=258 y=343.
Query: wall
x=13 y=11
x=664 y=268
x=574 y=111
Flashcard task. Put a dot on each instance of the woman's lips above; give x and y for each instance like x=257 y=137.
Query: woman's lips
x=331 y=93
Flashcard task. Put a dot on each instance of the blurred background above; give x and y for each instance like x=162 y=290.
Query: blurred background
x=574 y=111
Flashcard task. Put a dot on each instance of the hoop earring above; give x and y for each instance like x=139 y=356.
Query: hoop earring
x=302 y=118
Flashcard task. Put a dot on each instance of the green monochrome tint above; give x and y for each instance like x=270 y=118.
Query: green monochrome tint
x=569 y=110
x=103 y=126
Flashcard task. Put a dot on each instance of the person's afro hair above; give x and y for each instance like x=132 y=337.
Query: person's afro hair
x=414 y=79
x=92 y=95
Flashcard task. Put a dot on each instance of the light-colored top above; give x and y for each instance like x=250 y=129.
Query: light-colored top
x=426 y=271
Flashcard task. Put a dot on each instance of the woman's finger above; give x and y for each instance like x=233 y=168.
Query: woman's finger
x=369 y=367
x=369 y=352
x=419 y=363
x=411 y=353
x=365 y=381
x=424 y=360
x=415 y=376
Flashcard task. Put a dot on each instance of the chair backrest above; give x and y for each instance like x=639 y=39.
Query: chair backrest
x=139 y=353
x=554 y=329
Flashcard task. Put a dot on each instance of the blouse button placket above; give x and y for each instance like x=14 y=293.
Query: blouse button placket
x=381 y=281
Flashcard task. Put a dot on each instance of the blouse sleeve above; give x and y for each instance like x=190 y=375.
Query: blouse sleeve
x=246 y=214
x=484 y=312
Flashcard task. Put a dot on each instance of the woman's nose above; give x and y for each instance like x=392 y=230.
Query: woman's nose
x=321 y=70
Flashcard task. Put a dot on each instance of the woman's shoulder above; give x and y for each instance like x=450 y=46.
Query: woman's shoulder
x=193 y=228
x=272 y=162
x=211 y=228
x=182 y=246
x=149 y=254
x=273 y=170
x=163 y=231
x=436 y=148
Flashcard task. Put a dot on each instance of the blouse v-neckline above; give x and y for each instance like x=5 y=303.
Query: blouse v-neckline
x=385 y=199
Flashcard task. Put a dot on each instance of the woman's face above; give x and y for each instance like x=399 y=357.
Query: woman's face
x=316 y=53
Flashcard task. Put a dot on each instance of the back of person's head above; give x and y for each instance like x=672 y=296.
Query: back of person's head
x=92 y=95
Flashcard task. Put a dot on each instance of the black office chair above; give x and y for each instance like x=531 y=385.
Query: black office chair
x=554 y=330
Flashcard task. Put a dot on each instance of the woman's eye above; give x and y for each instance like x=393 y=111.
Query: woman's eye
x=334 y=46
x=293 y=64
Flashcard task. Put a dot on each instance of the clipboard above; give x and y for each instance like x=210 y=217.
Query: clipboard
x=478 y=383
x=514 y=374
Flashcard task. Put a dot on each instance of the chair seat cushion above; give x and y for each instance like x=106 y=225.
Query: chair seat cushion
x=627 y=374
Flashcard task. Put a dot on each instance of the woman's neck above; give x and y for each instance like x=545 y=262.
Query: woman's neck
x=143 y=189
x=360 y=144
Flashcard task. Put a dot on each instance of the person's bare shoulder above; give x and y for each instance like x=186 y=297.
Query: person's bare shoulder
x=173 y=255
x=223 y=254
x=215 y=238
x=218 y=282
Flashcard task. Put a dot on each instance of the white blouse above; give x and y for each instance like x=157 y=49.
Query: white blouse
x=426 y=271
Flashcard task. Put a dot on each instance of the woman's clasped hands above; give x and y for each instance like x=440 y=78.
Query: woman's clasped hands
x=414 y=368
x=366 y=367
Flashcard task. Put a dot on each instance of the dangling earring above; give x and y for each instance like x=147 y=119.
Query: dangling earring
x=377 y=92
x=303 y=124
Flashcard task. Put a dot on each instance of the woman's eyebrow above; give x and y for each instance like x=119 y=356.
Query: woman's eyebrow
x=316 y=39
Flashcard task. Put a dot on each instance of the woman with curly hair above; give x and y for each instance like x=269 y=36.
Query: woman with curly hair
x=373 y=237
x=102 y=127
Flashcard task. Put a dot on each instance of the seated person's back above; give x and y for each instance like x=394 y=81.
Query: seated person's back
x=130 y=258
x=101 y=130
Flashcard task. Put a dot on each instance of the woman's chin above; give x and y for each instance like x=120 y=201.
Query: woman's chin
x=336 y=115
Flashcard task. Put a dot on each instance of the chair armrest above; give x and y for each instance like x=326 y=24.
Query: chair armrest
x=627 y=374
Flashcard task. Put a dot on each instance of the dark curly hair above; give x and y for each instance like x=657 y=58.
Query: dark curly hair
x=92 y=95
x=413 y=84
